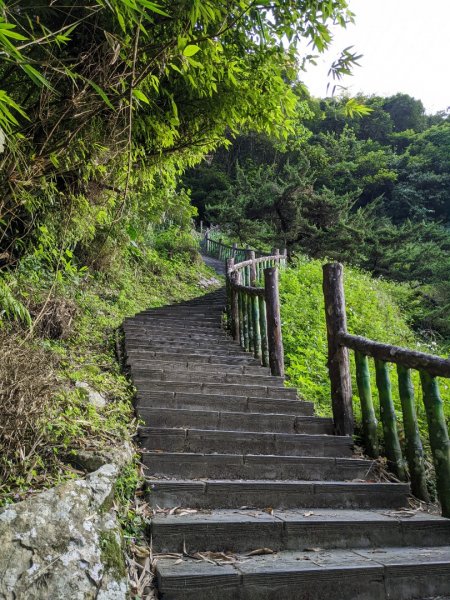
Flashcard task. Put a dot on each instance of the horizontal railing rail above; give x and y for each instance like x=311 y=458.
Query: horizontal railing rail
x=429 y=367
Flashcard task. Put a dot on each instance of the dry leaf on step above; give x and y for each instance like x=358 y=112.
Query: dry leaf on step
x=260 y=552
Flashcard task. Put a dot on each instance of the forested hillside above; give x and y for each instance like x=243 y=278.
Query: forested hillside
x=370 y=189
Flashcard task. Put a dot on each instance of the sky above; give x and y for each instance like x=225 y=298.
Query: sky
x=405 y=46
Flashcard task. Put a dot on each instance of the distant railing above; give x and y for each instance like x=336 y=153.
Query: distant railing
x=253 y=305
x=219 y=250
x=429 y=367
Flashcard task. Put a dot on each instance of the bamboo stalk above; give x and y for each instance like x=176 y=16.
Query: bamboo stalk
x=439 y=440
x=245 y=311
x=369 y=420
x=389 y=421
x=413 y=443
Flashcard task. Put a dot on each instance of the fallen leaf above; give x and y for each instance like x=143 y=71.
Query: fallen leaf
x=260 y=552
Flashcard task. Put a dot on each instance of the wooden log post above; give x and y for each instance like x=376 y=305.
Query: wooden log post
x=263 y=329
x=389 y=421
x=439 y=440
x=233 y=250
x=274 y=336
x=369 y=420
x=207 y=243
x=338 y=361
x=235 y=313
x=413 y=443
x=201 y=227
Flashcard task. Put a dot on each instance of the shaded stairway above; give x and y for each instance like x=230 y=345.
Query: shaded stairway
x=263 y=474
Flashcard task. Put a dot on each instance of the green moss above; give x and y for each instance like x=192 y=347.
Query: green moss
x=112 y=555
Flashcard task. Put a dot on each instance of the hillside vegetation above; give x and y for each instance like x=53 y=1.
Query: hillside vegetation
x=372 y=190
x=376 y=309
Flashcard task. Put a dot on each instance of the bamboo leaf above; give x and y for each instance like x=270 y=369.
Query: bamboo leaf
x=139 y=95
x=101 y=93
x=190 y=50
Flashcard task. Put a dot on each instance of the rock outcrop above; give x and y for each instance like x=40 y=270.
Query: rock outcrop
x=64 y=543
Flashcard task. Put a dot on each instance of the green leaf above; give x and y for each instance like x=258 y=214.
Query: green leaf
x=35 y=76
x=139 y=95
x=153 y=7
x=191 y=50
x=101 y=93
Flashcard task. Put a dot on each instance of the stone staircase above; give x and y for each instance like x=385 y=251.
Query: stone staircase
x=280 y=508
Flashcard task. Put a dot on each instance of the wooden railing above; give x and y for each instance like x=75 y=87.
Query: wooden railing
x=429 y=367
x=253 y=315
x=253 y=305
x=219 y=250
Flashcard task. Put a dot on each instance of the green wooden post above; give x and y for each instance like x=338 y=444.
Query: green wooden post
x=413 y=444
x=439 y=440
x=241 y=320
x=263 y=328
x=389 y=420
x=369 y=420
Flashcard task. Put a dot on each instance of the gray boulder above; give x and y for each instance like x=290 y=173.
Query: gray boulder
x=64 y=543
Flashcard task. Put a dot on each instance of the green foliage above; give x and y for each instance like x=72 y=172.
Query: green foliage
x=360 y=188
x=371 y=312
x=11 y=307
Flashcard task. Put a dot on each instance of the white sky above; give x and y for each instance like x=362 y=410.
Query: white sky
x=405 y=46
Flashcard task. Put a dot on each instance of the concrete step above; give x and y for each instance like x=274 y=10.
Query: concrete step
x=247 y=530
x=209 y=311
x=143 y=376
x=157 y=336
x=212 y=494
x=222 y=402
x=179 y=323
x=231 y=389
x=184 y=350
x=234 y=421
x=222 y=348
x=194 y=367
x=259 y=466
x=171 y=332
x=359 y=574
x=238 y=359
x=243 y=442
